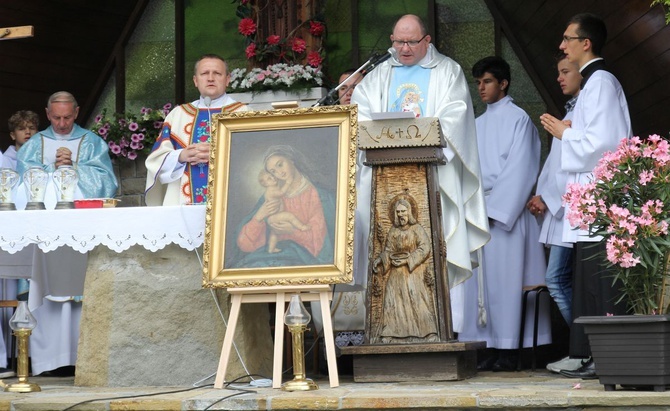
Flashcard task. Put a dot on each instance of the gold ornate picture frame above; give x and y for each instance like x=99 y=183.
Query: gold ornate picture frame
x=281 y=198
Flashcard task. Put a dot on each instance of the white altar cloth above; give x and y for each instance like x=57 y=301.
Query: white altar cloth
x=62 y=271
x=116 y=228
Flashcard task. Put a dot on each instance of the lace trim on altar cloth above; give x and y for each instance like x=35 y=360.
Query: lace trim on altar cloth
x=345 y=338
x=116 y=228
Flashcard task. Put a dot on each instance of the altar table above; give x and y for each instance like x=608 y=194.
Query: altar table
x=81 y=230
x=146 y=319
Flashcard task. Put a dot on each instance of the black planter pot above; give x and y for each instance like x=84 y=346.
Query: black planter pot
x=630 y=350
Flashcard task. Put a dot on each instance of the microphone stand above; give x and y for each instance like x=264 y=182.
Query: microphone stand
x=329 y=99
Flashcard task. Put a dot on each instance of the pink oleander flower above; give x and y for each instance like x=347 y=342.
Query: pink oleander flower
x=627 y=202
x=314 y=59
x=273 y=39
x=247 y=27
x=316 y=28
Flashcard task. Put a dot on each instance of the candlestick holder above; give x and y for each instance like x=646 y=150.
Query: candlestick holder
x=66 y=179
x=23 y=323
x=35 y=179
x=8 y=179
x=296 y=318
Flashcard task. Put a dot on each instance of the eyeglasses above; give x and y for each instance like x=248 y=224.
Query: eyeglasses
x=568 y=38
x=410 y=43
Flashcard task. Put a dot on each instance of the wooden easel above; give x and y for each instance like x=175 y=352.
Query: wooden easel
x=280 y=295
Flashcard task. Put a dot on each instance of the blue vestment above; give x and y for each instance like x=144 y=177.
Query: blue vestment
x=94 y=167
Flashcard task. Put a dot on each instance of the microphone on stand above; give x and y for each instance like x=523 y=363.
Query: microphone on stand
x=374 y=60
x=380 y=58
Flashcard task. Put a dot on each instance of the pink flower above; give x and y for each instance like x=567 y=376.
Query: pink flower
x=645 y=177
x=273 y=39
x=250 y=51
x=314 y=59
x=98 y=118
x=133 y=126
x=316 y=28
x=247 y=27
x=167 y=106
x=102 y=131
x=114 y=148
x=158 y=124
x=298 y=45
x=131 y=155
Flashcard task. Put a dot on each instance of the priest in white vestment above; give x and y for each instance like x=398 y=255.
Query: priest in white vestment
x=441 y=90
x=178 y=165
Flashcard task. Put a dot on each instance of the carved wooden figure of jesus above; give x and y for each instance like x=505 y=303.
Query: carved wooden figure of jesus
x=408 y=309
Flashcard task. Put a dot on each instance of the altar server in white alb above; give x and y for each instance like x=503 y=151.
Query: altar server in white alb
x=547 y=204
x=509 y=153
x=53 y=344
x=440 y=90
x=600 y=121
x=22 y=125
x=178 y=165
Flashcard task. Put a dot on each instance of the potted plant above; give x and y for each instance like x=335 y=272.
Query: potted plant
x=130 y=134
x=628 y=204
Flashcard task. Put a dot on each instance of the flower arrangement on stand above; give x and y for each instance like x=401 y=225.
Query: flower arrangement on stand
x=628 y=204
x=276 y=62
x=130 y=134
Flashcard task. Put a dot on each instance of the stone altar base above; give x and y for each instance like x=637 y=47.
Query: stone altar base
x=146 y=321
x=414 y=362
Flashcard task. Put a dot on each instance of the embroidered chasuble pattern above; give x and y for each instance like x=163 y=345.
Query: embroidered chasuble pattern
x=408 y=88
x=199 y=130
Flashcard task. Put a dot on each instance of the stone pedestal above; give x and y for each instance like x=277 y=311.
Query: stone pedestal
x=146 y=321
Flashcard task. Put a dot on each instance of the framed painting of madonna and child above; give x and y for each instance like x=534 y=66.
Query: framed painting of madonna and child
x=281 y=200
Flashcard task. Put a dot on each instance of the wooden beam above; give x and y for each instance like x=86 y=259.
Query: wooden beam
x=19 y=32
